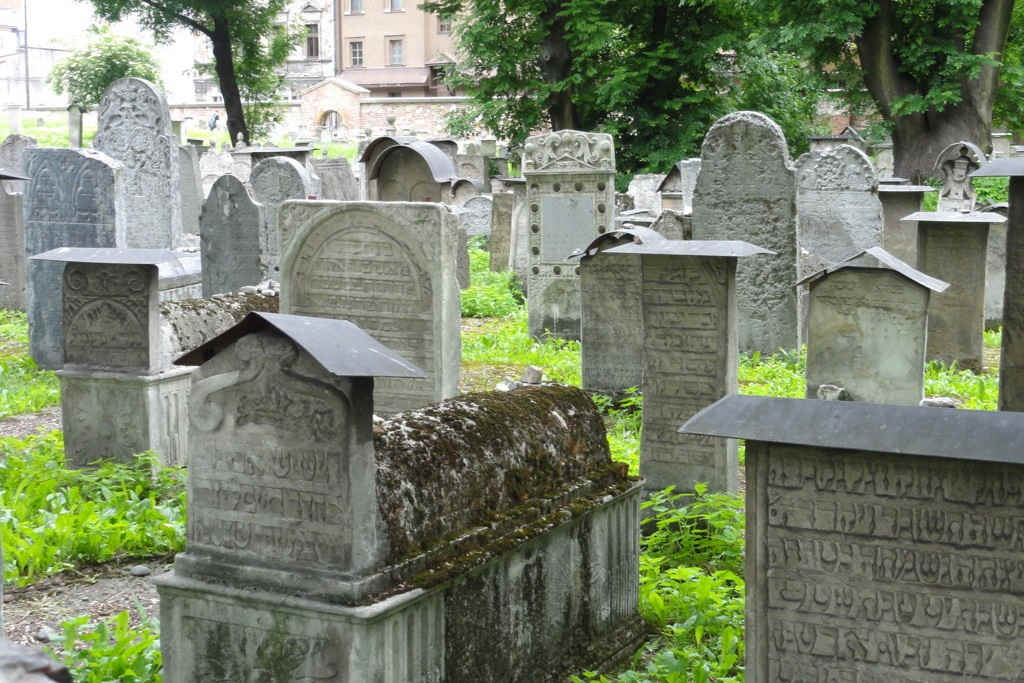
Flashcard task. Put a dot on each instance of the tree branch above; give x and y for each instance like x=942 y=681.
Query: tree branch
x=989 y=39
x=177 y=16
x=881 y=66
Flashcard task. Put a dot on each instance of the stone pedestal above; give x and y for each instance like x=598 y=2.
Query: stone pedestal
x=899 y=200
x=951 y=247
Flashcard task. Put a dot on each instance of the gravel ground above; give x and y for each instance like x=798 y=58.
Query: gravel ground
x=21 y=426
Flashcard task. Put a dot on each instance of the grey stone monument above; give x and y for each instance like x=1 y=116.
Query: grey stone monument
x=1001 y=144
x=643 y=188
x=336 y=179
x=867 y=328
x=900 y=199
x=519 y=243
x=952 y=247
x=74 y=199
x=12 y=159
x=688 y=302
x=500 y=242
x=12 y=249
x=884 y=161
x=677 y=188
x=954 y=165
x=134 y=127
x=995 y=267
x=570 y=177
x=74 y=126
x=389 y=267
x=873 y=550
x=673 y=225
x=191 y=188
x=273 y=181
x=746 y=190
x=233 y=239
x=476 y=216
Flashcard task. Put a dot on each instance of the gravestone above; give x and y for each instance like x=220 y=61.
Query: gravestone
x=12 y=249
x=336 y=179
x=643 y=188
x=570 y=177
x=74 y=126
x=519 y=245
x=134 y=127
x=877 y=546
x=867 y=328
x=389 y=268
x=900 y=199
x=839 y=213
x=677 y=187
x=233 y=239
x=688 y=302
x=476 y=216
x=499 y=244
x=884 y=161
x=953 y=166
x=191 y=189
x=995 y=267
x=952 y=247
x=746 y=190
x=673 y=225
x=74 y=199
x=1001 y=144
x=274 y=181
x=12 y=159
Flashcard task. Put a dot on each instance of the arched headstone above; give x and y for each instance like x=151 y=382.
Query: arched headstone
x=232 y=238
x=274 y=181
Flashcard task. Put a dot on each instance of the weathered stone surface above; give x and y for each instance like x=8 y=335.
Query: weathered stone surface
x=954 y=165
x=612 y=339
x=12 y=159
x=477 y=215
x=74 y=127
x=643 y=188
x=274 y=181
x=21 y=664
x=191 y=188
x=570 y=195
x=134 y=127
x=746 y=190
x=995 y=275
x=677 y=188
x=234 y=241
x=389 y=268
x=519 y=248
x=899 y=238
x=472 y=166
x=336 y=179
x=500 y=242
x=674 y=225
x=12 y=249
x=187 y=324
x=1011 y=361
x=74 y=199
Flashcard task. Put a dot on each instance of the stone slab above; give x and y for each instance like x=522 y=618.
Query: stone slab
x=500 y=241
x=611 y=349
x=1011 y=361
x=233 y=239
x=275 y=180
x=12 y=249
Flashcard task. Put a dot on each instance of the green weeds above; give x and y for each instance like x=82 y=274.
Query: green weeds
x=779 y=375
x=24 y=388
x=112 y=649
x=624 y=422
x=490 y=294
x=507 y=341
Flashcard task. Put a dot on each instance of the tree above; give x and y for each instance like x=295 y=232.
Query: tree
x=85 y=74
x=248 y=47
x=931 y=67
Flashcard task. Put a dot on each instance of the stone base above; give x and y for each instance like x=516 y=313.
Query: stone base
x=109 y=415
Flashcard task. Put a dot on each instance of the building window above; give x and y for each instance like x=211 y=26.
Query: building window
x=312 y=41
x=356 y=51
x=355 y=7
x=394 y=93
x=444 y=25
x=394 y=5
x=395 y=50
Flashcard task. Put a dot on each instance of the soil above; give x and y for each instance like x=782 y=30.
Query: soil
x=20 y=426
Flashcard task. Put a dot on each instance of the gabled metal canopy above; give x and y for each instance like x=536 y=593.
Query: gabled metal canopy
x=735 y=248
x=879 y=259
x=941 y=432
x=133 y=257
x=339 y=346
x=1000 y=168
x=603 y=242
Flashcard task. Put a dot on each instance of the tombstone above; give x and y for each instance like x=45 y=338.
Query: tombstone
x=348 y=561
x=824 y=143
x=74 y=199
x=500 y=242
x=867 y=328
x=884 y=161
x=900 y=199
x=952 y=247
x=233 y=239
x=74 y=126
x=389 y=268
x=410 y=172
x=677 y=188
x=12 y=159
x=134 y=127
x=846 y=577
x=273 y=181
x=336 y=179
x=570 y=178
x=1001 y=144
x=673 y=225
x=746 y=190
x=519 y=244
x=191 y=189
x=995 y=267
x=12 y=249
x=954 y=165
x=473 y=167
x=116 y=398
x=476 y=218
x=838 y=208
x=643 y=188
x=688 y=301
x=176 y=130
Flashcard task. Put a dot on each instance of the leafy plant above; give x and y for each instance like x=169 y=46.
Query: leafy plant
x=489 y=294
x=112 y=649
x=507 y=341
x=24 y=388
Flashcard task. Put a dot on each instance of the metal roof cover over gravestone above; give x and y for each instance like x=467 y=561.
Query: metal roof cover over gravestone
x=134 y=127
x=75 y=198
x=900 y=199
x=232 y=239
x=570 y=179
x=275 y=180
x=12 y=248
x=389 y=267
x=688 y=301
x=880 y=543
x=746 y=190
x=838 y=208
x=867 y=328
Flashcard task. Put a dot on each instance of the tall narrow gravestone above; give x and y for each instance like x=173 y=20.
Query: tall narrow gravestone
x=500 y=240
x=880 y=543
x=688 y=301
x=746 y=190
x=900 y=199
x=336 y=179
x=134 y=127
x=12 y=159
x=232 y=239
x=191 y=184
x=12 y=249
x=389 y=267
x=867 y=328
x=570 y=179
x=74 y=199
x=275 y=180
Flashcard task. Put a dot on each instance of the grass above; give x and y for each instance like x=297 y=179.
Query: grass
x=24 y=388
x=507 y=341
x=490 y=294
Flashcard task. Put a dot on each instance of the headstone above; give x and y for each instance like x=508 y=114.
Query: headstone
x=191 y=188
x=570 y=177
x=952 y=247
x=74 y=199
x=1001 y=144
x=233 y=239
x=274 y=181
x=900 y=199
x=688 y=301
x=476 y=217
x=519 y=246
x=867 y=328
x=499 y=244
x=954 y=165
x=12 y=249
x=643 y=188
x=336 y=179
x=389 y=268
x=885 y=163
x=746 y=190
x=473 y=167
x=12 y=159
x=74 y=126
x=176 y=130
x=876 y=539
x=673 y=225
x=995 y=267
x=677 y=187
x=134 y=127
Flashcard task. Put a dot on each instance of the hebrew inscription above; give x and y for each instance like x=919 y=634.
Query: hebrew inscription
x=106 y=315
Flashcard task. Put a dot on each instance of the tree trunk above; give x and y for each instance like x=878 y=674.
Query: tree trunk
x=555 y=65
x=918 y=139
x=225 y=67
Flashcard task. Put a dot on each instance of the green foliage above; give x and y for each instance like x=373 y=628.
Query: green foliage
x=86 y=73
x=989 y=190
x=490 y=294
x=507 y=342
x=782 y=374
x=52 y=518
x=24 y=388
x=978 y=392
x=624 y=422
x=112 y=649
x=1008 y=110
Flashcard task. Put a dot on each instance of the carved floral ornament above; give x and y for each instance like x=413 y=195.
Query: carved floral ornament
x=569 y=150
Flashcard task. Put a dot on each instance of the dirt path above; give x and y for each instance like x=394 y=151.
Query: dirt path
x=20 y=426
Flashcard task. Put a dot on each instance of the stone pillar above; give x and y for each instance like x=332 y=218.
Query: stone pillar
x=1011 y=362
x=884 y=161
x=570 y=177
x=501 y=231
x=900 y=199
x=1001 y=144
x=12 y=249
x=519 y=238
x=952 y=247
